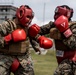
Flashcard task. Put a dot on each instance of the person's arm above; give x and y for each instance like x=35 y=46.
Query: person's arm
x=42 y=40
x=5 y=28
x=8 y=32
x=67 y=30
x=35 y=45
x=45 y=29
x=71 y=41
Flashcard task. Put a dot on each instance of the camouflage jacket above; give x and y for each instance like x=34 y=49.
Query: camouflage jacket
x=70 y=42
x=6 y=28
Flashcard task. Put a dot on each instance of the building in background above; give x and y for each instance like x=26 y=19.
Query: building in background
x=7 y=11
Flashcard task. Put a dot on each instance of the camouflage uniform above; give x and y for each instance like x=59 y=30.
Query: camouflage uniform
x=66 y=67
x=65 y=48
x=10 y=52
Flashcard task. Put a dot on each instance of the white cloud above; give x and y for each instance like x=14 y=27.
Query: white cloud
x=38 y=22
x=35 y=20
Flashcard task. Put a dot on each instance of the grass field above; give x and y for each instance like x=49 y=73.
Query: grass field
x=44 y=64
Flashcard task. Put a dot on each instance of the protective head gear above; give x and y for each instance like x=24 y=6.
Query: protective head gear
x=25 y=15
x=63 y=10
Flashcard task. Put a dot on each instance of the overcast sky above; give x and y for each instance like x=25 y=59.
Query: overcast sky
x=44 y=9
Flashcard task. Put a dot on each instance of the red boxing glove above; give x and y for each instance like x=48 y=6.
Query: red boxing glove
x=45 y=42
x=62 y=25
x=33 y=30
x=16 y=36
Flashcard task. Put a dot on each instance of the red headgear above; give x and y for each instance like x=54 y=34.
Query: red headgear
x=63 y=11
x=24 y=15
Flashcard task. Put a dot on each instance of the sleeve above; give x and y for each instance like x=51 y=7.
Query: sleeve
x=71 y=41
x=35 y=45
x=5 y=29
x=45 y=29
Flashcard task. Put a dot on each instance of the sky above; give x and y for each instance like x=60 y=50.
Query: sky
x=44 y=9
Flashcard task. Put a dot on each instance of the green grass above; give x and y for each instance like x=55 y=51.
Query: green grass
x=44 y=64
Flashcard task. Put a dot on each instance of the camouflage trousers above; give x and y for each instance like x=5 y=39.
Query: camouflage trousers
x=25 y=68
x=66 y=67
